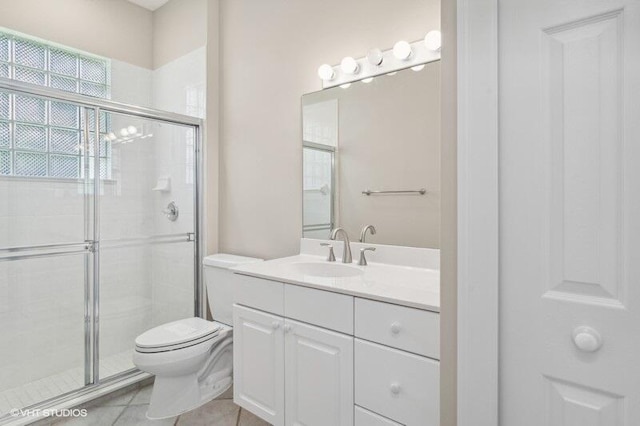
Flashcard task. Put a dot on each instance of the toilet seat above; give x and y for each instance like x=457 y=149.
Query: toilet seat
x=178 y=335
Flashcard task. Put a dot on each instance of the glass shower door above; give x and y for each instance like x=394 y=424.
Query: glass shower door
x=147 y=232
x=46 y=254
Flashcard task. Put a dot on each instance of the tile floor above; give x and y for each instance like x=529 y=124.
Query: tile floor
x=57 y=384
x=129 y=406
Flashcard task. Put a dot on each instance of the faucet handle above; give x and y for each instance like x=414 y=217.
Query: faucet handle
x=332 y=256
x=363 y=259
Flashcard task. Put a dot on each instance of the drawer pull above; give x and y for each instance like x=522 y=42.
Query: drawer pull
x=275 y=325
x=395 y=328
x=395 y=388
x=288 y=328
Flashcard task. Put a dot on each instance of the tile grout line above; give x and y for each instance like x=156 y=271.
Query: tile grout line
x=238 y=418
x=124 y=408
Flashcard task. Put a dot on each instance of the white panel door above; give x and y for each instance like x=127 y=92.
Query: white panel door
x=258 y=363
x=570 y=212
x=318 y=376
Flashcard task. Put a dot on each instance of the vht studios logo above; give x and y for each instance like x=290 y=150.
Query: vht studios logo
x=65 y=412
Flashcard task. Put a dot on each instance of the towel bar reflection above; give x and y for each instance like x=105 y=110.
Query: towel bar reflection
x=417 y=192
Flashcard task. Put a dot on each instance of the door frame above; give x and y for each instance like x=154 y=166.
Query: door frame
x=478 y=213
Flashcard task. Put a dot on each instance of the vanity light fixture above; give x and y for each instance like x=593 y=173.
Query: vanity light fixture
x=375 y=57
x=402 y=50
x=433 y=40
x=124 y=131
x=379 y=62
x=326 y=72
x=349 y=65
x=132 y=130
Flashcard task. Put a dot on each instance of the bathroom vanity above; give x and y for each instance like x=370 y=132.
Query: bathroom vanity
x=318 y=339
x=327 y=343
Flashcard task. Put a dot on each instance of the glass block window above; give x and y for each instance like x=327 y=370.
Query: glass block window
x=44 y=138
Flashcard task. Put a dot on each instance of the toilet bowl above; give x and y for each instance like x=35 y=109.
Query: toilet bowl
x=192 y=358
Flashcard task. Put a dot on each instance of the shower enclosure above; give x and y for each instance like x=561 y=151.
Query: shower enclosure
x=100 y=238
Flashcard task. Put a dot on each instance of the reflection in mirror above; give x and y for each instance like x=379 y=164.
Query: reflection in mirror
x=368 y=152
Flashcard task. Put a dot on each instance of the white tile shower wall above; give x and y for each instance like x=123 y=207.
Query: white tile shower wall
x=131 y=84
x=178 y=86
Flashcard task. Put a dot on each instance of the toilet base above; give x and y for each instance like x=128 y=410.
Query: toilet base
x=174 y=395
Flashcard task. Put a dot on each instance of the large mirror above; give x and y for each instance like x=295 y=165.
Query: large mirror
x=371 y=156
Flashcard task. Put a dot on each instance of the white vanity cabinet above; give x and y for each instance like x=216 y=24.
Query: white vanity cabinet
x=304 y=356
x=290 y=372
x=318 y=376
x=258 y=363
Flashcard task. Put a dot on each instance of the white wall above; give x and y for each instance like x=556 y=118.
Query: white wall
x=449 y=227
x=179 y=27
x=270 y=52
x=115 y=29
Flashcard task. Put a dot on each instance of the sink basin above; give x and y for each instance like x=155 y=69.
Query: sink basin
x=331 y=270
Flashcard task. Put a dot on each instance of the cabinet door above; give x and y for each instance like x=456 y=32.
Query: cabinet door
x=318 y=376
x=258 y=363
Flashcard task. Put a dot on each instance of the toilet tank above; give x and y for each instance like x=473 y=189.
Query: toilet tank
x=219 y=283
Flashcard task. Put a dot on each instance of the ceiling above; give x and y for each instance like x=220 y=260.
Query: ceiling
x=150 y=4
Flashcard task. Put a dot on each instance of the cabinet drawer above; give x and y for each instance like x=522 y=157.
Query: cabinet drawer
x=367 y=418
x=322 y=308
x=259 y=294
x=409 y=329
x=398 y=385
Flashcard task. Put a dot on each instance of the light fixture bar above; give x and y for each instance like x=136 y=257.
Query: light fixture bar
x=420 y=55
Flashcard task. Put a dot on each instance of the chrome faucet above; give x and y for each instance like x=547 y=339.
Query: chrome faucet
x=363 y=259
x=346 y=252
x=363 y=233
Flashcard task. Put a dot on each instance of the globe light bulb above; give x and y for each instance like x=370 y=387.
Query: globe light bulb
x=375 y=57
x=326 y=73
x=367 y=80
x=433 y=40
x=349 y=65
x=132 y=130
x=402 y=50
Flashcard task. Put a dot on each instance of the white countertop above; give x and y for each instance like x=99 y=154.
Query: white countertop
x=402 y=285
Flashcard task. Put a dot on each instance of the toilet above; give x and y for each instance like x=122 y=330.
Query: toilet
x=192 y=358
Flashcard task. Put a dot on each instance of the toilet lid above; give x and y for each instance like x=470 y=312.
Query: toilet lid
x=177 y=333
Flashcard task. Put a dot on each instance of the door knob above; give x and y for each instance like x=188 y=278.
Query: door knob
x=287 y=328
x=275 y=325
x=587 y=339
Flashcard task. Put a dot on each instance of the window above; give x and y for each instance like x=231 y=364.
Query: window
x=43 y=138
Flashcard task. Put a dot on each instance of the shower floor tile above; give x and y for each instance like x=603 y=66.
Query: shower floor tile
x=57 y=384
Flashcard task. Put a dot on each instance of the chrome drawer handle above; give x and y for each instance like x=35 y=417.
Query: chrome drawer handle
x=395 y=328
